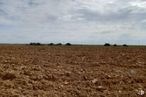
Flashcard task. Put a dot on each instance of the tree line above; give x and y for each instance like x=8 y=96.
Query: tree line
x=108 y=44
x=50 y=44
x=69 y=44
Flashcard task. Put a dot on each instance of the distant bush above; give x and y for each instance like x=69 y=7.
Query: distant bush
x=125 y=45
x=59 y=44
x=51 y=44
x=107 y=44
x=68 y=44
x=35 y=43
x=115 y=45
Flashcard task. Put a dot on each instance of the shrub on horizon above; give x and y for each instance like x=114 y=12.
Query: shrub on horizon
x=51 y=44
x=59 y=44
x=68 y=44
x=125 y=45
x=115 y=45
x=107 y=44
x=32 y=43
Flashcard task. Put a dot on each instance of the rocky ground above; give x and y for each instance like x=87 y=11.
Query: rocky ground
x=72 y=71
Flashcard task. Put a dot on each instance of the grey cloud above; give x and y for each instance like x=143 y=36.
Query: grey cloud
x=32 y=3
x=123 y=14
x=106 y=32
x=2 y=12
x=78 y=20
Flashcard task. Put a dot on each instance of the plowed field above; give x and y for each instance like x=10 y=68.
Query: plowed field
x=72 y=71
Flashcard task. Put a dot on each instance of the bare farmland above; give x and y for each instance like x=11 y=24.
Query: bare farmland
x=72 y=71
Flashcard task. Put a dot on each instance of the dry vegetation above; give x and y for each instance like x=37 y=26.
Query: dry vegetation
x=72 y=71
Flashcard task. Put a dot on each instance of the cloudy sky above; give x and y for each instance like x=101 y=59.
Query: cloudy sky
x=75 y=21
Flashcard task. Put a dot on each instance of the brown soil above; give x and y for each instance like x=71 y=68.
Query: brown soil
x=72 y=71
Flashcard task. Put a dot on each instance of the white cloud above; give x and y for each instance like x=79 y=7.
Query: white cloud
x=88 y=21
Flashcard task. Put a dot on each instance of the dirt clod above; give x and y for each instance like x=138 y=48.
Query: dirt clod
x=8 y=76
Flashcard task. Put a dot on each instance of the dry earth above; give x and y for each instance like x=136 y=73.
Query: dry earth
x=72 y=71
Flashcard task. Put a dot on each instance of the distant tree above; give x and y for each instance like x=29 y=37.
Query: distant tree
x=32 y=43
x=107 y=44
x=38 y=43
x=59 y=44
x=115 y=45
x=51 y=44
x=68 y=44
x=125 y=45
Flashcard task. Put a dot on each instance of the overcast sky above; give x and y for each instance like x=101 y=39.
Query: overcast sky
x=75 y=21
